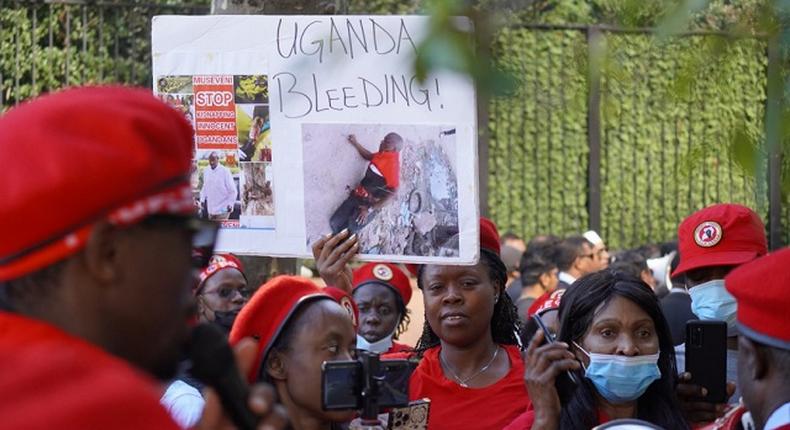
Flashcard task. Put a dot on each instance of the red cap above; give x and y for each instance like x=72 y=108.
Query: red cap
x=414 y=269
x=215 y=264
x=489 y=236
x=720 y=235
x=385 y=274
x=346 y=301
x=761 y=290
x=552 y=302
x=269 y=310
x=82 y=155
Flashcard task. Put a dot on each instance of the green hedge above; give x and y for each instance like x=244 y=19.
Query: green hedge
x=667 y=128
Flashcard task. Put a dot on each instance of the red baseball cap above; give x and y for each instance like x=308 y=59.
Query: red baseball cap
x=761 y=289
x=552 y=302
x=720 y=235
x=266 y=314
x=385 y=274
x=215 y=264
x=83 y=155
x=489 y=236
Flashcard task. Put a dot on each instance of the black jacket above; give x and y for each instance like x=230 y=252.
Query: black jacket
x=677 y=310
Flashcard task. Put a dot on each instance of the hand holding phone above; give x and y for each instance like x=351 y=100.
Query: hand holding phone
x=706 y=357
x=549 y=337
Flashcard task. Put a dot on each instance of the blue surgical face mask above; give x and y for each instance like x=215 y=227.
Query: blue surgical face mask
x=710 y=301
x=619 y=378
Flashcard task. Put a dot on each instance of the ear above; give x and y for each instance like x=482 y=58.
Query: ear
x=275 y=366
x=101 y=253
x=755 y=358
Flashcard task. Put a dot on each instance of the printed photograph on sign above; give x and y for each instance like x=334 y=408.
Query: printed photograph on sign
x=395 y=186
x=257 y=195
x=217 y=185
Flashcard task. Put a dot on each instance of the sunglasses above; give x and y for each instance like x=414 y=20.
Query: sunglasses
x=204 y=234
x=228 y=292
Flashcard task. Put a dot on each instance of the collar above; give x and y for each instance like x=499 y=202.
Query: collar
x=565 y=277
x=778 y=418
x=678 y=290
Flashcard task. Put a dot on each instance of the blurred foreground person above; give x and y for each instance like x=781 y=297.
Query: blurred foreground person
x=298 y=327
x=90 y=314
x=614 y=341
x=471 y=367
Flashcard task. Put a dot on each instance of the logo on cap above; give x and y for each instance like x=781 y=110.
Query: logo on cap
x=707 y=234
x=382 y=272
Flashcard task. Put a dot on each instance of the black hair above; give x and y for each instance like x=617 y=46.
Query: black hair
x=544 y=245
x=630 y=262
x=31 y=287
x=659 y=404
x=568 y=250
x=504 y=321
x=508 y=236
x=532 y=266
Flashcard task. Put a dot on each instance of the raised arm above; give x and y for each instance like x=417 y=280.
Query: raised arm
x=364 y=153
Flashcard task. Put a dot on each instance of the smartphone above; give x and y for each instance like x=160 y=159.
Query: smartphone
x=550 y=339
x=706 y=357
x=342 y=383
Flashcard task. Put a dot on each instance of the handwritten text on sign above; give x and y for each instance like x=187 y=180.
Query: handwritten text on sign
x=352 y=38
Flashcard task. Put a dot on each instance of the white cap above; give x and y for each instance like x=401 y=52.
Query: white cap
x=593 y=237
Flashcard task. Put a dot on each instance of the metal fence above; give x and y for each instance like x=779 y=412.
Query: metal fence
x=607 y=131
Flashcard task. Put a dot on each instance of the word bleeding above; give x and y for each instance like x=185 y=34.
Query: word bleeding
x=298 y=102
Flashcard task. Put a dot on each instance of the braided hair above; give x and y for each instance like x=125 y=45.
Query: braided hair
x=504 y=321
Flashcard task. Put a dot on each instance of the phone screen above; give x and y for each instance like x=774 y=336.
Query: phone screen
x=394 y=387
x=340 y=385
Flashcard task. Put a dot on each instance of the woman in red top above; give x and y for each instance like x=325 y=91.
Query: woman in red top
x=611 y=325
x=471 y=368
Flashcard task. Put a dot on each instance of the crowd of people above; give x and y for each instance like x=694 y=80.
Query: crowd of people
x=98 y=294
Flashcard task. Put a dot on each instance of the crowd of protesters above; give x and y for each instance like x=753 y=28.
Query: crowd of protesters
x=99 y=289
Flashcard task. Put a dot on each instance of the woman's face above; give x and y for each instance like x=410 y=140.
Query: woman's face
x=459 y=302
x=378 y=311
x=224 y=291
x=620 y=328
x=324 y=333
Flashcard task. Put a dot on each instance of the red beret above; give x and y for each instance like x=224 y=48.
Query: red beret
x=762 y=290
x=82 y=155
x=489 y=236
x=346 y=301
x=215 y=264
x=385 y=274
x=268 y=311
x=720 y=235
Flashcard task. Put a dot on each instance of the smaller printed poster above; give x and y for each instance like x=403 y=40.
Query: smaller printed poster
x=215 y=112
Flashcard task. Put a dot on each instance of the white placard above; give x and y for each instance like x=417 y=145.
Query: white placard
x=309 y=124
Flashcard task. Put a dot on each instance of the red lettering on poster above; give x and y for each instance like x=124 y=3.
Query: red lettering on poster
x=215 y=112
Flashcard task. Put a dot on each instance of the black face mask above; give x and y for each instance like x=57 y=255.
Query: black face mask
x=224 y=320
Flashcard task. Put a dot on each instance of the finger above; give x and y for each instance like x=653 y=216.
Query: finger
x=318 y=245
x=691 y=391
x=546 y=357
x=685 y=376
x=277 y=420
x=560 y=366
x=262 y=399
x=332 y=243
x=339 y=250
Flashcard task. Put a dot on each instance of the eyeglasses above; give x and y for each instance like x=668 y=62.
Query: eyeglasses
x=228 y=292
x=204 y=234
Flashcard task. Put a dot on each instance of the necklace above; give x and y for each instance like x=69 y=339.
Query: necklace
x=463 y=381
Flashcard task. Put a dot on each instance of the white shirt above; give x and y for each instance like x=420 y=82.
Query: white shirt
x=184 y=403
x=778 y=418
x=565 y=277
x=219 y=190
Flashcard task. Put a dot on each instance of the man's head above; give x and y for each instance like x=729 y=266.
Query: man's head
x=575 y=256
x=103 y=257
x=760 y=288
x=213 y=160
x=392 y=142
x=634 y=264
x=712 y=242
x=513 y=240
x=221 y=291
x=600 y=251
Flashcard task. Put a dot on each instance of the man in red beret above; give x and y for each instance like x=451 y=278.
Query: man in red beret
x=761 y=291
x=712 y=242
x=382 y=291
x=95 y=285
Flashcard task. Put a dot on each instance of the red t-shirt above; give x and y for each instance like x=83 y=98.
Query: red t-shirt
x=388 y=163
x=399 y=348
x=50 y=379
x=456 y=407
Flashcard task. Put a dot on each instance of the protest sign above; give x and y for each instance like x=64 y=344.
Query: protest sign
x=308 y=125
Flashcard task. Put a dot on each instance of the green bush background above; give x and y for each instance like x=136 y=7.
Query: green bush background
x=672 y=127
